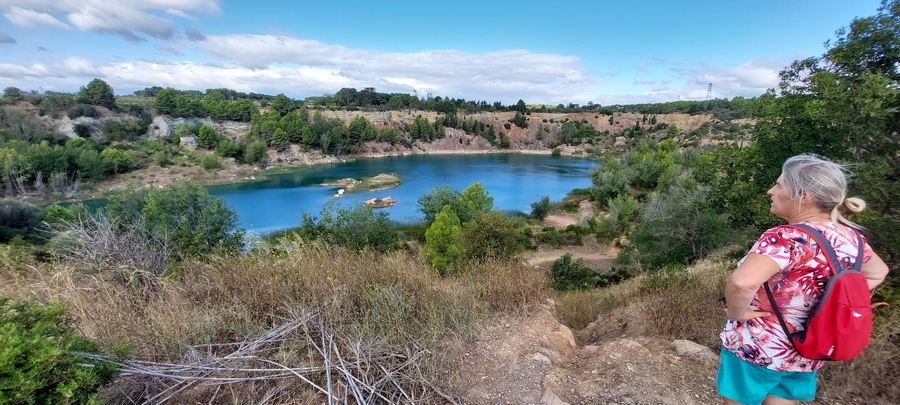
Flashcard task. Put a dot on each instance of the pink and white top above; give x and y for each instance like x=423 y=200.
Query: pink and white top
x=797 y=288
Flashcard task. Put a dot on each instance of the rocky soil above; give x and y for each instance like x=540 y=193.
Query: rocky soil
x=532 y=358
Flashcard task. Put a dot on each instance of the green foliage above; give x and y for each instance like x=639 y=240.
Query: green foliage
x=567 y=276
x=42 y=360
x=19 y=219
x=82 y=130
x=195 y=221
x=441 y=249
x=211 y=162
x=676 y=228
x=472 y=200
x=491 y=235
x=541 y=208
x=82 y=110
x=358 y=227
x=208 y=138
x=124 y=130
x=282 y=104
x=432 y=202
x=55 y=212
x=97 y=92
x=116 y=160
x=256 y=153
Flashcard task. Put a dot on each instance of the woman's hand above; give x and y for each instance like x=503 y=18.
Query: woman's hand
x=746 y=315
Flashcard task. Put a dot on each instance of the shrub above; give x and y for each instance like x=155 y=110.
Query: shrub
x=42 y=362
x=556 y=152
x=83 y=131
x=211 y=162
x=356 y=228
x=567 y=276
x=507 y=126
x=491 y=235
x=82 y=110
x=541 y=208
x=19 y=219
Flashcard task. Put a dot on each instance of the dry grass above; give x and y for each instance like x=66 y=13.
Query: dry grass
x=370 y=303
x=381 y=312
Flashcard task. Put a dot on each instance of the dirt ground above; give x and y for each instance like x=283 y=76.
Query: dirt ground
x=533 y=359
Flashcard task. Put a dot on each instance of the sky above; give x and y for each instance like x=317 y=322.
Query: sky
x=543 y=52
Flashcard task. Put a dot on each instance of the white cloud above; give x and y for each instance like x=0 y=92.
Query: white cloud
x=505 y=75
x=26 y=18
x=643 y=81
x=752 y=78
x=121 y=17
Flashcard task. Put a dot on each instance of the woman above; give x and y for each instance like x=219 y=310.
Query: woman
x=758 y=362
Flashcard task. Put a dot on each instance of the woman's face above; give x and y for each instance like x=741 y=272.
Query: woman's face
x=783 y=206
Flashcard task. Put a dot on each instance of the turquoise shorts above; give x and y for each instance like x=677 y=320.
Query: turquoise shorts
x=749 y=384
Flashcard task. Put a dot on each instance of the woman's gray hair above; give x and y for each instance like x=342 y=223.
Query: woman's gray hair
x=826 y=183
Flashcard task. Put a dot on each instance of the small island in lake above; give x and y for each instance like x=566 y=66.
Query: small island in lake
x=380 y=182
x=380 y=202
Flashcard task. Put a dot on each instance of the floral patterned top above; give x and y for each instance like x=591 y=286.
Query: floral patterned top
x=797 y=288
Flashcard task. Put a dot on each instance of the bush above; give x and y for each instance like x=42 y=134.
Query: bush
x=83 y=131
x=41 y=360
x=541 y=208
x=19 y=219
x=356 y=228
x=211 y=162
x=556 y=152
x=567 y=276
x=491 y=235
x=82 y=110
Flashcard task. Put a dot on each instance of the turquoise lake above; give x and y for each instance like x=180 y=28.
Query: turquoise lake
x=514 y=180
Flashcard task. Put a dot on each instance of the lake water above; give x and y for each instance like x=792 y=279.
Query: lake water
x=514 y=180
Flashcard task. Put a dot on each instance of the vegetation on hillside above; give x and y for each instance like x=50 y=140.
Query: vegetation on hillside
x=348 y=299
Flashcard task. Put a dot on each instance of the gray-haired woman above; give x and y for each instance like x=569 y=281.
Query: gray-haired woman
x=758 y=362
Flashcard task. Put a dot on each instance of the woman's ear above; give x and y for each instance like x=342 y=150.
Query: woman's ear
x=806 y=198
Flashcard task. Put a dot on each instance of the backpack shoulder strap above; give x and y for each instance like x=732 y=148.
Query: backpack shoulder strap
x=828 y=249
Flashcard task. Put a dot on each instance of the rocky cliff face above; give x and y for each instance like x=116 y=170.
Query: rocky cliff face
x=543 y=130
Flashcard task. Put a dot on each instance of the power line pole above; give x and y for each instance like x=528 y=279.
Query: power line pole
x=709 y=92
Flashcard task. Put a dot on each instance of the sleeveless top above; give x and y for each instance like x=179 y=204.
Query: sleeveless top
x=797 y=288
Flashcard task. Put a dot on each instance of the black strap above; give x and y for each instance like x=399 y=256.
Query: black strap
x=833 y=261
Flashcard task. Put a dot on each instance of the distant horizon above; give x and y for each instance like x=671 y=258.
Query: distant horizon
x=571 y=51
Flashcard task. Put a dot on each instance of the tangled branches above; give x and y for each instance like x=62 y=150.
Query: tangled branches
x=329 y=367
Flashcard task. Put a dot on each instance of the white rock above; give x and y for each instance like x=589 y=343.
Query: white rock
x=688 y=348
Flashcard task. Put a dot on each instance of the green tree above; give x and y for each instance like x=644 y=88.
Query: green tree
x=282 y=104
x=256 y=153
x=521 y=108
x=12 y=93
x=441 y=250
x=432 y=202
x=541 y=208
x=164 y=102
x=491 y=235
x=208 y=138
x=672 y=131
x=357 y=228
x=97 y=92
x=472 y=200
x=281 y=140
x=116 y=160
x=195 y=221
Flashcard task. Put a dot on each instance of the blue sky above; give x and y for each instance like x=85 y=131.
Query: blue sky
x=607 y=52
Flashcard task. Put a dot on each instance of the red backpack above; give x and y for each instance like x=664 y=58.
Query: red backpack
x=839 y=326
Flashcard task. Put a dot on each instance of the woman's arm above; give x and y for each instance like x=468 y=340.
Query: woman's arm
x=743 y=284
x=875 y=270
